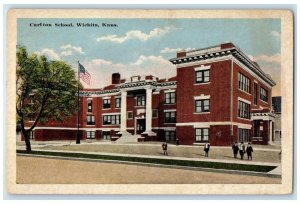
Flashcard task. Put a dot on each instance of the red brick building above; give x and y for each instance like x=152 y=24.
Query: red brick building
x=218 y=94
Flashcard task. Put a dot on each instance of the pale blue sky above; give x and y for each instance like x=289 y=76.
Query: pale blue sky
x=142 y=46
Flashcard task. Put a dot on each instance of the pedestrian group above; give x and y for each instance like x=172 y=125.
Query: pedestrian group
x=235 y=148
x=241 y=148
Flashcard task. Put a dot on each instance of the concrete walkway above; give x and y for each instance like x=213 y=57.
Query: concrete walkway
x=263 y=154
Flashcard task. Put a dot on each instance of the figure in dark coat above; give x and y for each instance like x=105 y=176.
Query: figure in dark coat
x=206 y=148
x=242 y=150
x=165 y=148
x=235 y=149
x=249 y=151
x=177 y=141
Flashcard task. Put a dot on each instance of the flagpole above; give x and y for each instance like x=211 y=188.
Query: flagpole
x=78 y=107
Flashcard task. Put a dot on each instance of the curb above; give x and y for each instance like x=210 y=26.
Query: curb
x=250 y=173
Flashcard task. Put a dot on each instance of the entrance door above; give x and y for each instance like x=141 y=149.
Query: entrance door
x=140 y=126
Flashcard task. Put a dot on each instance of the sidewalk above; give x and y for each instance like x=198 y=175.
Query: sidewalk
x=260 y=154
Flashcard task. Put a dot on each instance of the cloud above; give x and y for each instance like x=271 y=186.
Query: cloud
x=137 y=34
x=101 y=62
x=275 y=33
x=101 y=69
x=267 y=58
x=172 y=50
x=66 y=53
x=49 y=53
x=68 y=50
x=149 y=59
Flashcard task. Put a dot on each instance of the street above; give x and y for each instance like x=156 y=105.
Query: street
x=33 y=170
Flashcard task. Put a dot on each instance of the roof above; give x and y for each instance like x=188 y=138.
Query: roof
x=219 y=51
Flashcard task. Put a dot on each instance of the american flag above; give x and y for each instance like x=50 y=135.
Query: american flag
x=84 y=74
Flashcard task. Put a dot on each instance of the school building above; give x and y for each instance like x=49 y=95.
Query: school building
x=218 y=94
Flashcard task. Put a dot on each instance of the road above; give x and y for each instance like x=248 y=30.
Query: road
x=33 y=170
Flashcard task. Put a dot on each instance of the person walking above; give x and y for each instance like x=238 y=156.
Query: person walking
x=165 y=148
x=206 y=148
x=249 y=151
x=177 y=141
x=242 y=150
x=235 y=149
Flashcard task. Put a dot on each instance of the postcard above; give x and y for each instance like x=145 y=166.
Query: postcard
x=149 y=101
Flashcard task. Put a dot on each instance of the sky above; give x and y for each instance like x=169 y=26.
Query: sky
x=144 y=46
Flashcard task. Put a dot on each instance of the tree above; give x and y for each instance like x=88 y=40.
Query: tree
x=45 y=90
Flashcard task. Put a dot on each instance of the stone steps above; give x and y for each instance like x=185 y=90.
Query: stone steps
x=128 y=138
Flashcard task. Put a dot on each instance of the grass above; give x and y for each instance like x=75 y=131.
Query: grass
x=203 y=164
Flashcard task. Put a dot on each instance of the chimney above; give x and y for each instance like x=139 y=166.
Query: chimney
x=227 y=45
x=181 y=53
x=115 y=78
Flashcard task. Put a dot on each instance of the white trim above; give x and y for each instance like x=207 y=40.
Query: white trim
x=118 y=113
x=202 y=67
x=75 y=128
x=202 y=83
x=244 y=126
x=202 y=125
x=202 y=96
x=164 y=128
x=264 y=118
x=244 y=100
x=223 y=58
x=89 y=98
x=118 y=96
x=106 y=97
x=169 y=91
x=211 y=123
x=170 y=110
x=201 y=113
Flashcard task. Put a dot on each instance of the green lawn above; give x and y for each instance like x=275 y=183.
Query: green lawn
x=203 y=164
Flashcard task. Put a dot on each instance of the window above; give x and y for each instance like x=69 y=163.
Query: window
x=106 y=135
x=170 y=117
x=90 y=135
x=90 y=120
x=106 y=103
x=255 y=94
x=89 y=105
x=129 y=115
x=111 y=119
x=201 y=135
x=243 y=110
x=170 y=136
x=170 y=98
x=244 y=135
x=154 y=113
x=263 y=94
x=117 y=102
x=141 y=100
x=202 y=106
x=244 y=83
x=202 y=76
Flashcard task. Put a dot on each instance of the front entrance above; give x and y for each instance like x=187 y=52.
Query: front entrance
x=140 y=126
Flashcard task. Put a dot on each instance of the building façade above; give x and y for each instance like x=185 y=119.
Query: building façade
x=218 y=94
